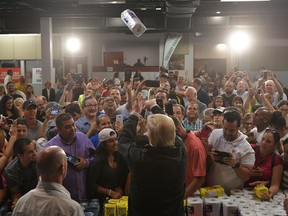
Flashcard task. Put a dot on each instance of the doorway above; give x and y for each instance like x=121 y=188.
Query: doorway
x=76 y=65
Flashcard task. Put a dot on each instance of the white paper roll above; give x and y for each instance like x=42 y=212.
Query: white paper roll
x=263 y=213
x=248 y=191
x=212 y=206
x=133 y=22
x=279 y=213
x=245 y=207
x=194 y=206
x=236 y=192
x=230 y=209
x=247 y=213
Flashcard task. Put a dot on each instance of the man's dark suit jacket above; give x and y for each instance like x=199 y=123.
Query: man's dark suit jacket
x=51 y=96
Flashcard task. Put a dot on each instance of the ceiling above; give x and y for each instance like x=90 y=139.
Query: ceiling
x=265 y=19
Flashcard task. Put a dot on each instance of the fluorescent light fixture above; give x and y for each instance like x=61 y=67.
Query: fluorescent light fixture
x=218 y=12
x=244 y=0
x=158 y=9
x=143 y=9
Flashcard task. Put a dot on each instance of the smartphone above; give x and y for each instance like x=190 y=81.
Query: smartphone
x=265 y=74
x=71 y=159
x=169 y=109
x=128 y=74
x=152 y=83
x=159 y=102
x=54 y=112
x=221 y=155
x=143 y=112
x=9 y=121
x=119 y=120
x=80 y=79
x=70 y=86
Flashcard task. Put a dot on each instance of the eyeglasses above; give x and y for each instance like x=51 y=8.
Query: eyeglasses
x=91 y=105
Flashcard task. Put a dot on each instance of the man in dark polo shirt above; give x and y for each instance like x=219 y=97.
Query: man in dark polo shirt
x=20 y=173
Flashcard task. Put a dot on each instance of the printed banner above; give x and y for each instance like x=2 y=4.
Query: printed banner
x=170 y=45
x=16 y=74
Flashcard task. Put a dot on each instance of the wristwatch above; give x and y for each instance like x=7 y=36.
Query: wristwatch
x=237 y=165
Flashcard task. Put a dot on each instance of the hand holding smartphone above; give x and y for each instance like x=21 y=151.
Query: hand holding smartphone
x=220 y=155
x=72 y=159
x=119 y=120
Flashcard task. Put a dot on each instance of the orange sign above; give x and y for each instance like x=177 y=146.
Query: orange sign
x=16 y=74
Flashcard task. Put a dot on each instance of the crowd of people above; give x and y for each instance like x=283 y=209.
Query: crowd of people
x=156 y=144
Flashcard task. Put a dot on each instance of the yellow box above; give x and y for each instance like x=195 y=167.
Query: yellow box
x=259 y=190
x=110 y=209
x=122 y=208
x=215 y=191
x=113 y=201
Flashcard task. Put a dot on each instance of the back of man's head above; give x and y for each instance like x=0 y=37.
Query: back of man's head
x=51 y=164
x=161 y=130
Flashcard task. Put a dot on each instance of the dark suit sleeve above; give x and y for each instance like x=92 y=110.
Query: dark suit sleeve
x=127 y=145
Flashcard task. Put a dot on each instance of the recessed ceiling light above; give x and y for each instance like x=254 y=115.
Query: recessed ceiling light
x=218 y=12
x=144 y=9
x=243 y=0
x=158 y=9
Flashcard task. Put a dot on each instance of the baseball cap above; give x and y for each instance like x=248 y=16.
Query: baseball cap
x=219 y=110
x=106 y=134
x=28 y=103
x=54 y=105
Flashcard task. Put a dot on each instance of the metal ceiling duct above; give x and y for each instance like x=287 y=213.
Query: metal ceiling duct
x=179 y=14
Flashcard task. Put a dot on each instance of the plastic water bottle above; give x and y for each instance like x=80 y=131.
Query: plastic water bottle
x=133 y=22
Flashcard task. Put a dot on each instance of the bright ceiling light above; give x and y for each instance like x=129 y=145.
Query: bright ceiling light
x=240 y=41
x=73 y=44
x=218 y=12
x=243 y=0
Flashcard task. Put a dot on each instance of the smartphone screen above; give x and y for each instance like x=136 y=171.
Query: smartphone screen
x=152 y=83
x=119 y=120
x=160 y=103
x=70 y=86
x=169 y=109
x=54 y=112
x=265 y=73
x=71 y=159
x=128 y=74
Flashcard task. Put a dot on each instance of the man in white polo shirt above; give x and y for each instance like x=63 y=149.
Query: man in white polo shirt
x=232 y=156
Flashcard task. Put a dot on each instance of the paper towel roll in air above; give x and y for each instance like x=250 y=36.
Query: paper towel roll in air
x=194 y=206
x=133 y=22
x=212 y=206
x=230 y=209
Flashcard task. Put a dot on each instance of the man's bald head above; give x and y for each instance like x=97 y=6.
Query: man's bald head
x=51 y=163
